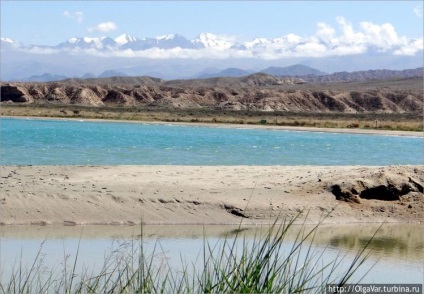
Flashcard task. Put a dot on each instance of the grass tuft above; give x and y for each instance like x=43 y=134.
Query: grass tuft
x=236 y=264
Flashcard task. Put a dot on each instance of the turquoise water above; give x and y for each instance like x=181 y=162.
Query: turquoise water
x=48 y=142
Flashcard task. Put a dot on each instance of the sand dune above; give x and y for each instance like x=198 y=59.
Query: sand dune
x=74 y=195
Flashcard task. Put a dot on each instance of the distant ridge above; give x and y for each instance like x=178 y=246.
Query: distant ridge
x=297 y=70
x=229 y=72
x=357 y=76
x=303 y=72
x=253 y=80
x=46 y=77
x=125 y=80
x=111 y=73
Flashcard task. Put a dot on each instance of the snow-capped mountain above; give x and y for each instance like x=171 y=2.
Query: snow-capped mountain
x=7 y=43
x=125 y=39
x=109 y=43
x=285 y=42
x=175 y=56
x=167 y=37
x=162 y=42
x=256 y=42
x=86 y=43
x=8 y=40
x=170 y=41
x=270 y=48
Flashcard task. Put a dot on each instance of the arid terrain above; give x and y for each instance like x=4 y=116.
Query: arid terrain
x=72 y=195
x=391 y=104
x=258 y=92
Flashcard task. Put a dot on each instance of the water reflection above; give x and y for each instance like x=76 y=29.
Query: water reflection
x=405 y=241
x=395 y=241
x=397 y=247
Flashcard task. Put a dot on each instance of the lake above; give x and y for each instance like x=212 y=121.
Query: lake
x=60 y=142
x=398 y=249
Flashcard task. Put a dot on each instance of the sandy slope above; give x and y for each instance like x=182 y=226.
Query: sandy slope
x=208 y=194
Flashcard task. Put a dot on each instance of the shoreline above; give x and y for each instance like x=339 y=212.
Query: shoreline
x=239 y=126
x=209 y=195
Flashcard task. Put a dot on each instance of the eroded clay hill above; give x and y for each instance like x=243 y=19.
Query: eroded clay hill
x=256 y=92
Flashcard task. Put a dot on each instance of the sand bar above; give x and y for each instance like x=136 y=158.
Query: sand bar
x=127 y=195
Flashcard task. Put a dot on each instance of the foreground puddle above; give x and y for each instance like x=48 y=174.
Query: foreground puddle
x=396 y=252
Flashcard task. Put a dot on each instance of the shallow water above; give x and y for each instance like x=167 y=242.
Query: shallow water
x=60 y=142
x=396 y=252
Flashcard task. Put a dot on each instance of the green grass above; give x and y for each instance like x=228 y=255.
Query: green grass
x=234 y=265
x=385 y=121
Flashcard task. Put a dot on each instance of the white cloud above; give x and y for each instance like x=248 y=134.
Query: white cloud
x=349 y=35
x=348 y=50
x=78 y=16
x=382 y=36
x=311 y=49
x=292 y=39
x=103 y=27
x=411 y=48
x=42 y=50
x=341 y=40
x=325 y=32
x=158 y=53
x=418 y=11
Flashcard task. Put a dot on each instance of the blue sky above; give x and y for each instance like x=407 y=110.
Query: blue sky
x=52 y=22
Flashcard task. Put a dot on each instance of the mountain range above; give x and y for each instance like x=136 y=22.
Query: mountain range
x=305 y=74
x=293 y=70
x=208 y=55
x=126 y=41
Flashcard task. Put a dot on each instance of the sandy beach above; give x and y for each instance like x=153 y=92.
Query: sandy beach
x=127 y=195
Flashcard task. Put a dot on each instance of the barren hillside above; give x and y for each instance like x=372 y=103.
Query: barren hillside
x=255 y=92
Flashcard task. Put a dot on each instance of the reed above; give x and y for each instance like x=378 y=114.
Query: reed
x=233 y=265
